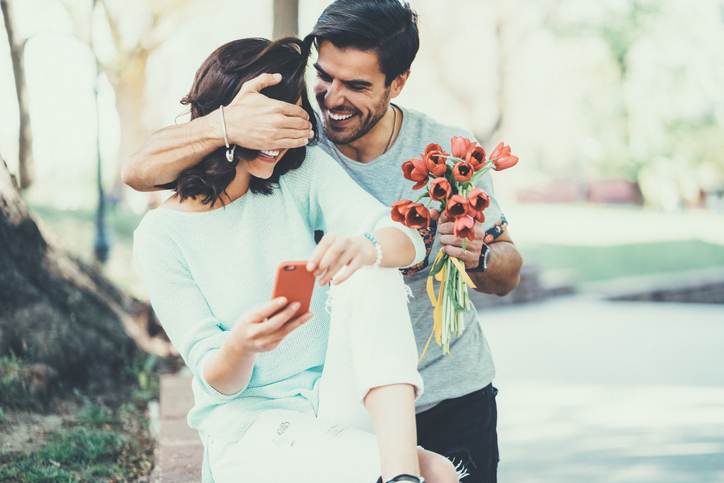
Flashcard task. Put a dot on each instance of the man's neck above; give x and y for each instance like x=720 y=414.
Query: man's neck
x=377 y=141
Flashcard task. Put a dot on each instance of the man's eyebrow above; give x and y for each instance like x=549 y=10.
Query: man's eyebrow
x=358 y=83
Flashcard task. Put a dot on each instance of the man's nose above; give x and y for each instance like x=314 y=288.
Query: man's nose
x=334 y=96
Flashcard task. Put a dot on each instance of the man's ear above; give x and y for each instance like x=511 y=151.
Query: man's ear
x=398 y=83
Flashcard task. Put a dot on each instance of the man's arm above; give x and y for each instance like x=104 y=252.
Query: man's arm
x=252 y=120
x=504 y=262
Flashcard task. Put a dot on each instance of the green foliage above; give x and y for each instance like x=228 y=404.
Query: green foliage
x=142 y=370
x=13 y=386
x=95 y=415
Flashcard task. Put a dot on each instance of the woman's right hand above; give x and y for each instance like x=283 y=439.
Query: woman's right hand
x=263 y=328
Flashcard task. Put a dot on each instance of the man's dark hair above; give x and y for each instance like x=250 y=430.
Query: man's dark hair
x=217 y=82
x=388 y=27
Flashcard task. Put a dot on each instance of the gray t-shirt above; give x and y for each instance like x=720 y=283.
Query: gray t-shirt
x=469 y=366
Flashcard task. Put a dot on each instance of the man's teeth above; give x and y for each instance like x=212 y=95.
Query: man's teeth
x=271 y=154
x=339 y=117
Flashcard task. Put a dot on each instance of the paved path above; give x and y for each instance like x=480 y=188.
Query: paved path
x=596 y=391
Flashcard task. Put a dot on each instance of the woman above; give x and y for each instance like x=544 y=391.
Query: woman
x=208 y=256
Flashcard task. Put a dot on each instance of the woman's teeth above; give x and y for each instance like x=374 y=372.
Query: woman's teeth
x=339 y=117
x=271 y=154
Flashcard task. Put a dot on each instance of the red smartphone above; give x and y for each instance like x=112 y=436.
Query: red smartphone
x=294 y=282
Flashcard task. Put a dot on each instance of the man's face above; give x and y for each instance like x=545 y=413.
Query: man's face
x=351 y=92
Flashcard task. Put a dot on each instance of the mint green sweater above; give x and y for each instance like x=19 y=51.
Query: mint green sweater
x=203 y=270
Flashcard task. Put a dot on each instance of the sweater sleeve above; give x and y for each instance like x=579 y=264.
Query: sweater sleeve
x=178 y=302
x=337 y=204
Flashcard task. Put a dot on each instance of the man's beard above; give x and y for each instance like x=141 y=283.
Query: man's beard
x=366 y=124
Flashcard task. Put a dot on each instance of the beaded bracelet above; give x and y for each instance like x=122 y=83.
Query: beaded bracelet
x=378 y=248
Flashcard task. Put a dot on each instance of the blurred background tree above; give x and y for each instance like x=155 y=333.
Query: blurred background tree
x=25 y=134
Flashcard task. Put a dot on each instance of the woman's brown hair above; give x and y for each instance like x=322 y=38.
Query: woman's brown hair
x=217 y=82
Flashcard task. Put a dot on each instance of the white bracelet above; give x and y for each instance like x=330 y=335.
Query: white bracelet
x=378 y=249
x=229 y=149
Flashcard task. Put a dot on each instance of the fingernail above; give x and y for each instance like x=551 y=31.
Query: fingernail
x=282 y=300
x=295 y=305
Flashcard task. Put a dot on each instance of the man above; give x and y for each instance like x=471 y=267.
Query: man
x=365 y=50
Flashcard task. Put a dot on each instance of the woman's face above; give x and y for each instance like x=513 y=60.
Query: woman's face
x=263 y=165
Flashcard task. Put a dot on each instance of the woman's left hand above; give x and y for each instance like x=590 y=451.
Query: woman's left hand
x=334 y=253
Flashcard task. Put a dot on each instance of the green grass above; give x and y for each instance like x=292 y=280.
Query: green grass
x=76 y=454
x=599 y=263
x=13 y=386
x=100 y=445
x=97 y=442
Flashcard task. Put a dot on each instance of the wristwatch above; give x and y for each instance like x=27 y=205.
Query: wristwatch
x=483 y=260
x=404 y=477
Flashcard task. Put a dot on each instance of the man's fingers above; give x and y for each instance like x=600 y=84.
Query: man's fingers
x=445 y=228
x=290 y=143
x=451 y=240
x=267 y=309
x=443 y=218
x=287 y=133
x=293 y=122
x=259 y=82
x=292 y=110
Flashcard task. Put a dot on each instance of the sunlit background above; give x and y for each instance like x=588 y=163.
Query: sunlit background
x=609 y=356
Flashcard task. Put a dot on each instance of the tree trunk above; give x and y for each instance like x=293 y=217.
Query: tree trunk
x=25 y=139
x=57 y=312
x=286 y=18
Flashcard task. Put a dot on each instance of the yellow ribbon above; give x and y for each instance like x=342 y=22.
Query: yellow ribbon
x=436 y=299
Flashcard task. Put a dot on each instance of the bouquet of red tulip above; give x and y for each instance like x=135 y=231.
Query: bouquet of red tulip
x=450 y=181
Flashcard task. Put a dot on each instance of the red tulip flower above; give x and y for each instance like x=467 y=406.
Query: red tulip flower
x=502 y=158
x=415 y=170
x=432 y=147
x=475 y=156
x=400 y=209
x=435 y=162
x=439 y=189
x=457 y=206
x=462 y=172
x=479 y=199
x=417 y=216
x=464 y=227
x=460 y=146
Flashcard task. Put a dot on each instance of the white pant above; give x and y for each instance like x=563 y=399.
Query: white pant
x=371 y=344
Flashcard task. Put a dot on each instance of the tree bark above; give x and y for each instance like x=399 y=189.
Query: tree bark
x=286 y=18
x=26 y=171
x=57 y=311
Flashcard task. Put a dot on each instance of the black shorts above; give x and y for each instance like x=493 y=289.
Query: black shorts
x=464 y=430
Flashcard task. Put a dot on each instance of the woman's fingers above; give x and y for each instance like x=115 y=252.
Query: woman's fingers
x=271 y=341
x=343 y=260
x=348 y=271
x=293 y=324
x=332 y=260
x=279 y=319
x=318 y=253
x=266 y=310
